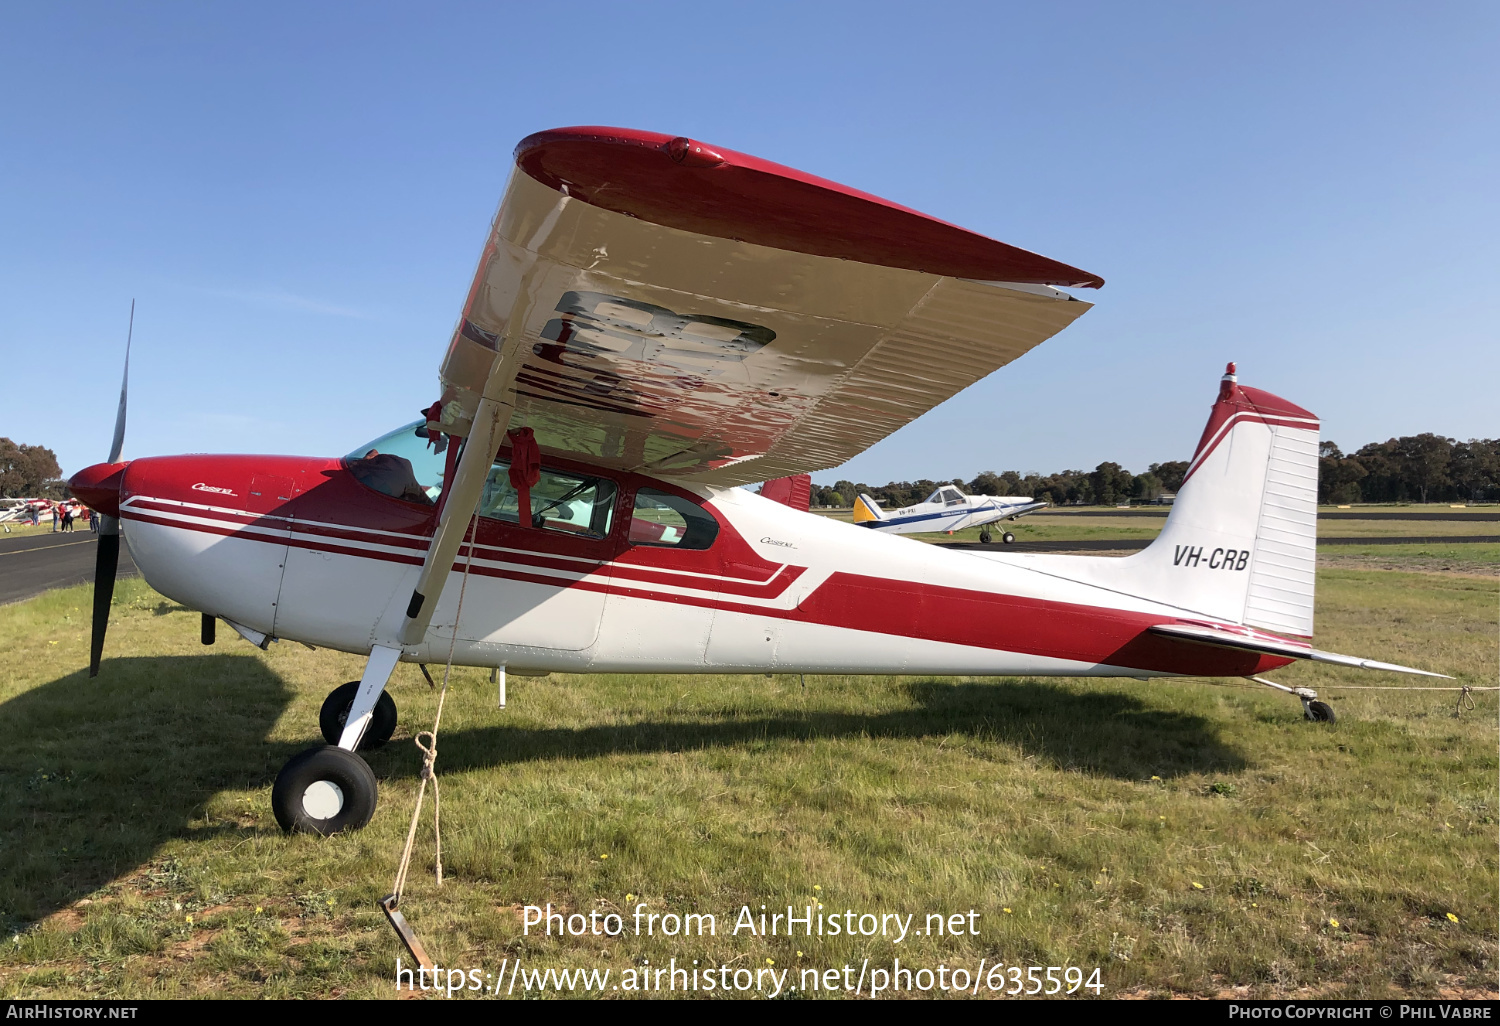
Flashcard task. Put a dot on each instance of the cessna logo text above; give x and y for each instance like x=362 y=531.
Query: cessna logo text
x=201 y=487
x=1219 y=559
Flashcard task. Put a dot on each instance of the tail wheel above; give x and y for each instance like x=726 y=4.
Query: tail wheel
x=1007 y=537
x=1319 y=712
x=335 y=713
x=324 y=791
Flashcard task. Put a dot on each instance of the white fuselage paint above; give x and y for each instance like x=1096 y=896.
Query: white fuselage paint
x=349 y=602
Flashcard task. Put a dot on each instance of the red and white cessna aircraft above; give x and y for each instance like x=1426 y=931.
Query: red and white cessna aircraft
x=653 y=323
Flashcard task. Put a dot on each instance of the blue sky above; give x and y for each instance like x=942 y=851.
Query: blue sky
x=295 y=195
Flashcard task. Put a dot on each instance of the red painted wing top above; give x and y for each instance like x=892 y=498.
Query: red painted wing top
x=684 y=184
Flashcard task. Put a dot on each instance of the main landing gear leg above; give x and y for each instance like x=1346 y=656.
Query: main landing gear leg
x=1312 y=709
x=330 y=789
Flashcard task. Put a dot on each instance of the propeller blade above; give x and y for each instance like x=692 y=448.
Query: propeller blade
x=119 y=440
x=106 y=560
x=107 y=557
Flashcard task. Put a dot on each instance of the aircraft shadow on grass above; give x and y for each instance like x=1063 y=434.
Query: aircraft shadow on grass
x=1104 y=734
x=98 y=775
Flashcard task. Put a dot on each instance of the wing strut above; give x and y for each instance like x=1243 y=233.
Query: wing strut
x=490 y=421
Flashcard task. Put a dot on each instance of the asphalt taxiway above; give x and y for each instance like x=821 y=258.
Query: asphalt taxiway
x=34 y=562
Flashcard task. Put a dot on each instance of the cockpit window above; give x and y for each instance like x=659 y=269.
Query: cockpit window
x=568 y=503
x=950 y=497
x=400 y=464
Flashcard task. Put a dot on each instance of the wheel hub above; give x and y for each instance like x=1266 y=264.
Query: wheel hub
x=323 y=799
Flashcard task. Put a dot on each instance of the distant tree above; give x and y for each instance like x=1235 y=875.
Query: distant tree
x=833 y=498
x=1169 y=474
x=1112 y=483
x=988 y=483
x=1338 y=475
x=847 y=490
x=1147 y=487
x=1382 y=481
x=1424 y=461
x=1475 y=469
x=27 y=470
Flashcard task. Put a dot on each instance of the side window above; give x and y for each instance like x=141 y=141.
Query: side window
x=567 y=503
x=669 y=520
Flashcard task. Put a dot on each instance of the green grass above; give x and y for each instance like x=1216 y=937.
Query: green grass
x=1185 y=838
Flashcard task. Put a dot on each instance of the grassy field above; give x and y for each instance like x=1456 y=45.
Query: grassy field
x=1184 y=838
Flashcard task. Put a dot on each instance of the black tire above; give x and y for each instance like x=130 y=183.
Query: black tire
x=1007 y=537
x=336 y=710
x=985 y=537
x=302 y=806
x=1320 y=712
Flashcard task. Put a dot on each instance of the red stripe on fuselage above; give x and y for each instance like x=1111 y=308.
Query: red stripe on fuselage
x=984 y=620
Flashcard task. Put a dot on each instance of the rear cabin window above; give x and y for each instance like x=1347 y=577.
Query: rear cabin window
x=567 y=503
x=660 y=518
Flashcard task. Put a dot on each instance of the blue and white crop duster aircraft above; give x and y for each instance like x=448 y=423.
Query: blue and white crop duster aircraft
x=946 y=509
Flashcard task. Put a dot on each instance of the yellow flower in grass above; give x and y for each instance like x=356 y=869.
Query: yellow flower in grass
x=1333 y=923
x=1197 y=886
x=1452 y=918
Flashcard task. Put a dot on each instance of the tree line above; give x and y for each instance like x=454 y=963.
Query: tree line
x=1418 y=468
x=28 y=471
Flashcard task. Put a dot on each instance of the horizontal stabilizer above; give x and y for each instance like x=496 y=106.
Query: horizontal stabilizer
x=1257 y=641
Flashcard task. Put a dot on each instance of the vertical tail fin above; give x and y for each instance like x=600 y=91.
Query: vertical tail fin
x=1241 y=540
x=867 y=510
x=1240 y=544
x=794 y=491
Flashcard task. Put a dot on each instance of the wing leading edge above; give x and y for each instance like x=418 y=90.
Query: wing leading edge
x=650 y=304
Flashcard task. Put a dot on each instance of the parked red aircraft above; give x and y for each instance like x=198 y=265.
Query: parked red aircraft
x=653 y=323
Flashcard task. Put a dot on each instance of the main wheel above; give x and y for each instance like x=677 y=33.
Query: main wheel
x=1007 y=537
x=335 y=713
x=1320 y=712
x=324 y=791
x=985 y=537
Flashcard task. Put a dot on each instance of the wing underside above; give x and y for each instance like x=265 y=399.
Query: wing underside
x=638 y=345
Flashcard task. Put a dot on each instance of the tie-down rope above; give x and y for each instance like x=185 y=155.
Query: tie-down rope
x=1465 y=691
x=429 y=751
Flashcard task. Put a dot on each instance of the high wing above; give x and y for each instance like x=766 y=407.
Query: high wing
x=653 y=304
x=648 y=303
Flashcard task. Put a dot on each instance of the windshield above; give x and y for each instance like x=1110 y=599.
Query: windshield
x=409 y=470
